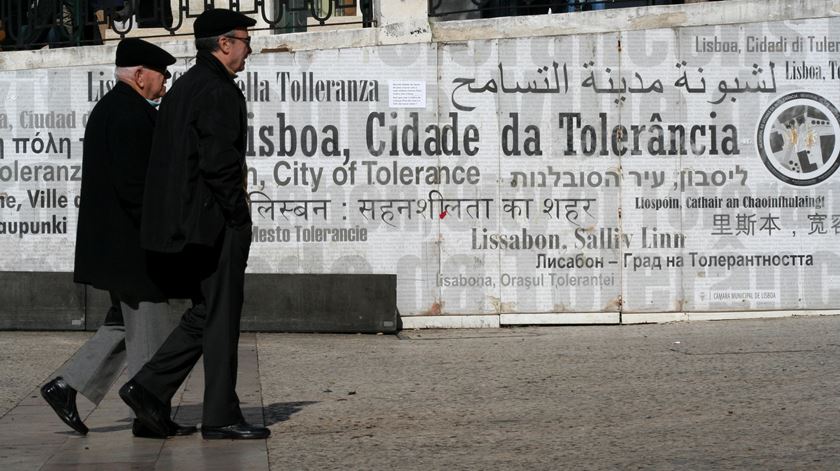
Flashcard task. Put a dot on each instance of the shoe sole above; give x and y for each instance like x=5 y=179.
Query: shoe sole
x=185 y=432
x=149 y=421
x=182 y=432
x=232 y=436
x=56 y=408
x=148 y=435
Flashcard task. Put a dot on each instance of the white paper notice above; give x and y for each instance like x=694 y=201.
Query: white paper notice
x=407 y=93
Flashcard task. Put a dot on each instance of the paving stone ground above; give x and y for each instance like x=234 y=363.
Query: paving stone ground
x=754 y=395
x=27 y=357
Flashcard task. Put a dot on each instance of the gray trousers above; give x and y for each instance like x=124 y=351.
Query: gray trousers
x=96 y=365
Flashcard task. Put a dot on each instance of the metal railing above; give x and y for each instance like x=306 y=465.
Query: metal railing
x=469 y=9
x=30 y=24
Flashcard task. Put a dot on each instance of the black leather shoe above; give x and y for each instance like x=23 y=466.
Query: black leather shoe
x=148 y=409
x=62 y=398
x=240 y=431
x=140 y=430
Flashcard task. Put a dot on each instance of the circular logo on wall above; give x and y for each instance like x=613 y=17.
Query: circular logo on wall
x=799 y=138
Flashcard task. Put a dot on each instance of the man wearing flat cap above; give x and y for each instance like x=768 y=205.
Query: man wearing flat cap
x=108 y=253
x=196 y=210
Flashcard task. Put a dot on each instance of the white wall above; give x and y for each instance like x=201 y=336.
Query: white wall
x=451 y=65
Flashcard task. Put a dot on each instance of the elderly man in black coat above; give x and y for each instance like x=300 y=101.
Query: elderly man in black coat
x=108 y=253
x=196 y=210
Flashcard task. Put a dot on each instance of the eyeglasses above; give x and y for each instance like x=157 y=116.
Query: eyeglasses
x=246 y=40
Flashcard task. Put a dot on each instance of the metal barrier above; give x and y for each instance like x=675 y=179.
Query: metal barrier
x=467 y=9
x=30 y=24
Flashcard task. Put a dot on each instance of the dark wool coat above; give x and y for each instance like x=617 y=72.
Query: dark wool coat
x=115 y=157
x=195 y=184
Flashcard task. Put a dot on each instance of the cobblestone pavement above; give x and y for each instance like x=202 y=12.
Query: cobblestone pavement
x=27 y=357
x=754 y=395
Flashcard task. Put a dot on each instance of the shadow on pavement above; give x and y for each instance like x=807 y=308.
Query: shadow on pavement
x=191 y=414
x=271 y=413
x=282 y=411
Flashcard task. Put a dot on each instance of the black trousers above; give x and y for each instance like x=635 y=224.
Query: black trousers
x=210 y=328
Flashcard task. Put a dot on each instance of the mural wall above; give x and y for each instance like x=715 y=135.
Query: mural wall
x=687 y=169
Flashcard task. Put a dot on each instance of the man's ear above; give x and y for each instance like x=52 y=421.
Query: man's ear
x=139 y=78
x=224 y=44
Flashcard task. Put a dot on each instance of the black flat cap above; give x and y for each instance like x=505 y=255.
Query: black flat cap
x=219 y=21
x=133 y=51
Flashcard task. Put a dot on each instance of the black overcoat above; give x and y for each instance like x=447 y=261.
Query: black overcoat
x=115 y=158
x=195 y=184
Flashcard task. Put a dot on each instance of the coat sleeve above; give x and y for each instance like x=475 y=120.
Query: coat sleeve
x=129 y=141
x=220 y=162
